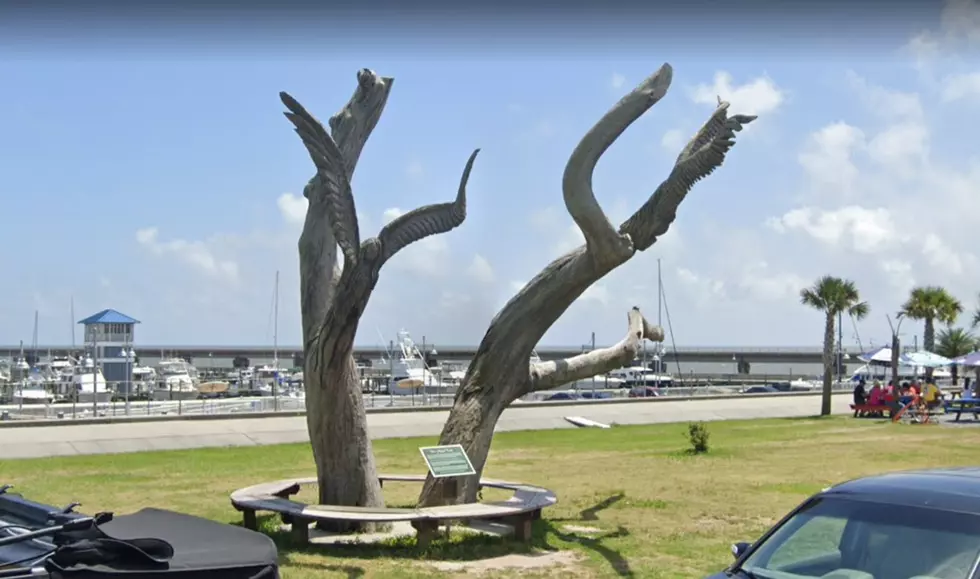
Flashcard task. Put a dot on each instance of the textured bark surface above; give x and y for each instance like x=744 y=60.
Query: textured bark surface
x=333 y=299
x=501 y=371
x=828 y=365
x=929 y=342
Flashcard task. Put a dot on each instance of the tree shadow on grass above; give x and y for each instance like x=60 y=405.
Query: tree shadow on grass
x=459 y=547
x=595 y=543
x=810 y=417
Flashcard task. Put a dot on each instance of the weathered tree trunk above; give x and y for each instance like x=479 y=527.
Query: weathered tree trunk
x=828 y=365
x=896 y=348
x=335 y=414
x=333 y=300
x=342 y=450
x=501 y=371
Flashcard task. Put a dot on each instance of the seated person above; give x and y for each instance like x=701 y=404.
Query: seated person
x=931 y=394
x=914 y=389
x=877 y=395
x=860 y=394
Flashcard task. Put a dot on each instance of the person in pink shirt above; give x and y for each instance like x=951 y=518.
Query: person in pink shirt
x=877 y=396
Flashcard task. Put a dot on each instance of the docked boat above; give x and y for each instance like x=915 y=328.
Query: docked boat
x=409 y=372
x=638 y=375
x=84 y=385
x=267 y=380
x=32 y=390
x=144 y=379
x=177 y=380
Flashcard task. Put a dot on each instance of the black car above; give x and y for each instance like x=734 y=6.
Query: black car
x=904 y=525
x=562 y=396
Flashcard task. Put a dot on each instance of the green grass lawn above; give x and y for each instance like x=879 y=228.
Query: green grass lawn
x=661 y=512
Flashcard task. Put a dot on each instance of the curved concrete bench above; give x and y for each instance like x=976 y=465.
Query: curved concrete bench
x=519 y=511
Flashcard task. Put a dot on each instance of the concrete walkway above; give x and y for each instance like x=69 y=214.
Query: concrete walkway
x=65 y=440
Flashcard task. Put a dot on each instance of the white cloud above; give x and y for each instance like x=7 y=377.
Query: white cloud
x=851 y=227
x=481 y=270
x=900 y=145
x=765 y=285
x=194 y=253
x=827 y=157
x=885 y=102
x=961 y=86
x=756 y=97
x=673 y=141
x=598 y=292
x=293 y=208
x=390 y=215
x=618 y=80
x=415 y=170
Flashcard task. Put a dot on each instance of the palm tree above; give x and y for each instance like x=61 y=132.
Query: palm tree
x=953 y=343
x=929 y=304
x=833 y=296
x=976 y=315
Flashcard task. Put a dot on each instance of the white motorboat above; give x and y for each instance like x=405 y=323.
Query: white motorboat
x=639 y=375
x=144 y=379
x=32 y=390
x=409 y=372
x=84 y=385
x=34 y=393
x=177 y=380
x=268 y=380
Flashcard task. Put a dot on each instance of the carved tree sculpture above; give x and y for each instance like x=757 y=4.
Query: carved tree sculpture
x=501 y=371
x=332 y=299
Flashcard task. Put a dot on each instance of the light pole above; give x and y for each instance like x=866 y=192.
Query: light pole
x=656 y=370
x=129 y=354
x=24 y=368
x=91 y=365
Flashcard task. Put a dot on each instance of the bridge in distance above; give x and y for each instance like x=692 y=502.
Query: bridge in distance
x=223 y=355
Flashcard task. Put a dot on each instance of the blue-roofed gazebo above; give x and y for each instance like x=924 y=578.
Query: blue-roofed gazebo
x=108 y=336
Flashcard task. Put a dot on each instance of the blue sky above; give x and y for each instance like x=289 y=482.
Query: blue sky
x=165 y=183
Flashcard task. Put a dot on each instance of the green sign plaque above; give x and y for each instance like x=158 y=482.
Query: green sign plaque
x=447 y=461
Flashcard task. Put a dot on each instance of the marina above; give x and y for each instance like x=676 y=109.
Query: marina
x=110 y=377
x=69 y=439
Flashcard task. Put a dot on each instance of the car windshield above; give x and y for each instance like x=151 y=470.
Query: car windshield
x=852 y=539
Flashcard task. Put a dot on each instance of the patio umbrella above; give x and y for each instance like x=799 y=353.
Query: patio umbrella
x=882 y=355
x=968 y=360
x=924 y=359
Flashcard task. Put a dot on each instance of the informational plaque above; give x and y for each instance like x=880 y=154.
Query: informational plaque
x=447 y=461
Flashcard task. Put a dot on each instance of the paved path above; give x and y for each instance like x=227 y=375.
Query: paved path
x=38 y=441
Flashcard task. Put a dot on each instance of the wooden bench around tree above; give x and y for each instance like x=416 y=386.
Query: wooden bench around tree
x=519 y=511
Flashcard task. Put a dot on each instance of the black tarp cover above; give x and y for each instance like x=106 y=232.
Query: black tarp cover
x=201 y=549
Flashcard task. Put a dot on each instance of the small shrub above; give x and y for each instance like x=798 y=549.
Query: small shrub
x=697 y=436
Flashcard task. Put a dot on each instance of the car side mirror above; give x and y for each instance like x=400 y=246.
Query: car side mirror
x=740 y=548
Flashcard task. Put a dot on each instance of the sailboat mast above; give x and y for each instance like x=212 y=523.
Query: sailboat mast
x=660 y=297
x=34 y=338
x=275 y=322
x=72 y=323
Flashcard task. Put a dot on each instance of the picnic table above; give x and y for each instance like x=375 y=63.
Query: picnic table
x=962 y=405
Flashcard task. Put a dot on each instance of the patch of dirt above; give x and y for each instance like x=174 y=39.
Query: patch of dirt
x=580 y=529
x=538 y=560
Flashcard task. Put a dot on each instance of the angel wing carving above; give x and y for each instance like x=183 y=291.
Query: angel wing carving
x=702 y=155
x=331 y=169
x=425 y=221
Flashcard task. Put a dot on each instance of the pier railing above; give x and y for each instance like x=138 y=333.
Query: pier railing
x=16 y=404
